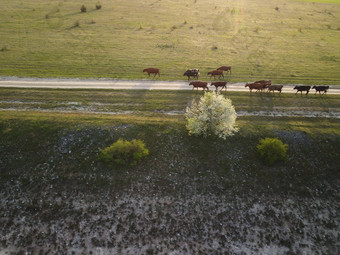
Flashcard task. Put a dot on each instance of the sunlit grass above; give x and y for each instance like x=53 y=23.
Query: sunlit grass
x=323 y=1
x=286 y=41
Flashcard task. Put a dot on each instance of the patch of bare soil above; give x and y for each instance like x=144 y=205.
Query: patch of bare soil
x=135 y=224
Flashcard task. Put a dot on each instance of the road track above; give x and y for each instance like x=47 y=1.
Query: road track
x=125 y=84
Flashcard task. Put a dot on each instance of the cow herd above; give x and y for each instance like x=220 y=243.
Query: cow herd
x=266 y=85
x=195 y=73
x=258 y=86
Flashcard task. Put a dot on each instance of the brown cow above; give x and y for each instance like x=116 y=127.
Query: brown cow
x=275 y=87
x=199 y=84
x=267 y=83
x=225 y=68
x=222 y=84
x=155 y=71
x=257 y=86
x=215 y=73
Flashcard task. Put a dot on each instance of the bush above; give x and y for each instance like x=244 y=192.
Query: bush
x=98 y=6
x=272 y=150
x=212 y=115
x=83 y=8
x=124 y=152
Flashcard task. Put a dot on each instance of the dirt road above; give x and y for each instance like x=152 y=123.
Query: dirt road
x=124 y=84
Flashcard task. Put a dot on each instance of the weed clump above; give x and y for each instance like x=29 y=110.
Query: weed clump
x=98 y=6
x=4 y=48
x=83 y=8
x=272 y=150
x=124 y=152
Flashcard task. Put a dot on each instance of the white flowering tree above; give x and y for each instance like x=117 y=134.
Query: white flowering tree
x=213 y=114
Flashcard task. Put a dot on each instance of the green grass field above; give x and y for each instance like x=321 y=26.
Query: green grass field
x=283 y=40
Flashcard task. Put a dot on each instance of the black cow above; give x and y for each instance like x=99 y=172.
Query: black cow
x=192 y=73
x=302 y=88
x=321 y=88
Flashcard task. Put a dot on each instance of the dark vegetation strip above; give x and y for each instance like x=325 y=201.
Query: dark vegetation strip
x=61 y=149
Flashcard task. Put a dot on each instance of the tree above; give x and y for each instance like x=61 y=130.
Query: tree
x=213 y=114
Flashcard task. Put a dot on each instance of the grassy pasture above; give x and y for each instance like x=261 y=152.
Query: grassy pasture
x=323 y=1
x=283 y=40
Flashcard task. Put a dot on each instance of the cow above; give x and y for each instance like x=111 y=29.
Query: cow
x=321 y=88
x=199 y=84
x=266 y=83
x=302 y=88
x=225 y=68
x=192 y=73
x=257 y=86
x=217 y=84
x=155 y=71
x=275 y=87
x=215 y=73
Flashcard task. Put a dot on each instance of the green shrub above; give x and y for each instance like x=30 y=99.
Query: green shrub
x=272 y=150
x=124 y=152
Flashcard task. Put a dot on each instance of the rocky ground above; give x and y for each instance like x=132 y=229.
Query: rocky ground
x=177 y=205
